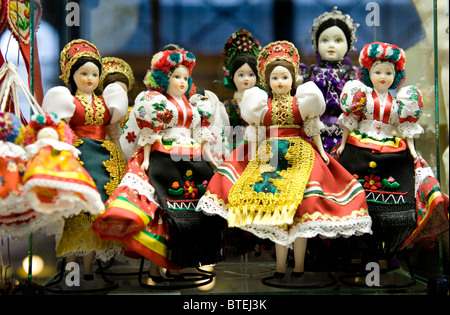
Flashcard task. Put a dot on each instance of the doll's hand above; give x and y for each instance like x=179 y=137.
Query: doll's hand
x=144 y=165
x=325 y=158
x=340 y=150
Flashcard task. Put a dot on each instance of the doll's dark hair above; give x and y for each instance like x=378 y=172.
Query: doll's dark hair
x=241 y=60
x=272 y=65
x=77 y=65
x=335 y=22
x=114 y=77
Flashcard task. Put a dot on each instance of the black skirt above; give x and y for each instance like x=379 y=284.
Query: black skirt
x=195 y=238
x=388 y=179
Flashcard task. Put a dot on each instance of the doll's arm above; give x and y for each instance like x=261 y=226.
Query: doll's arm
x=59 y=101
x=412 y=149
x=208 y=155
x=318 y=141
x=145 y=164
x=345 y=133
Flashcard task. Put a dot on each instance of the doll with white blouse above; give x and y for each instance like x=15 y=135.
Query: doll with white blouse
x=153 y=210
x=95 y=119
x=378 y=149
x=281 y=185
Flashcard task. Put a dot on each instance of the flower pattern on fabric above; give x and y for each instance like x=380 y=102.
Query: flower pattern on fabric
x=374 y=182
x=190 y=189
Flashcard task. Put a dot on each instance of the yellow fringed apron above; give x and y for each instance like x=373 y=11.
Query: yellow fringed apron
x=249 y=206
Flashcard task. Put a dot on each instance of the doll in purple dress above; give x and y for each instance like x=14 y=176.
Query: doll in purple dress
x=333 y=36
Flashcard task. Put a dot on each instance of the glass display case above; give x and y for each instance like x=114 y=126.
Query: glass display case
x=136 y=30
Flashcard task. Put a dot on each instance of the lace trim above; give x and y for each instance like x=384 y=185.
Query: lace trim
x=77 y=237
x=211 y=205
x=410 y=130
x=148 y=136
x=67 y=201
x=144 y=188
x=313 y=126
x=114 y=131
x=34 y=148
x=8 y=149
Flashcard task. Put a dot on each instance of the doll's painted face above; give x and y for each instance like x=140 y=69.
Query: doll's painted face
x=280 y=80
x=244 y=78
x=178 y=82
x=48 y=133
x=332 y=44
x=382 y=75
x=87 y=78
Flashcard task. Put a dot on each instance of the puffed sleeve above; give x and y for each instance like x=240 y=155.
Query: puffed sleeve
x=254 y=106
x=353 y=99
x=410 y=108
x=116 y=99
x=205 y=109
x=311 y=105
x=60 y=101
x=152 y=115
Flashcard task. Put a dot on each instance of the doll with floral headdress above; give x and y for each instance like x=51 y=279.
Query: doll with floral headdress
x=240 y=73
x=95 y=119
x=333 y=37
x=288 y=189
x=153 y=210
x=377 y=146
x=55 y=183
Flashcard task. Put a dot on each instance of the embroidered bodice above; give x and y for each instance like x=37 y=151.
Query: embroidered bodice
x=330 y=77
x=381 y=116
x=302 y=110
x=88 y=116
x=164 y=120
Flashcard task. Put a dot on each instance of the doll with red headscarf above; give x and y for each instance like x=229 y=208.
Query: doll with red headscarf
x=281 y=185
x=153 y=210
x=404 y=198
x=95 y=119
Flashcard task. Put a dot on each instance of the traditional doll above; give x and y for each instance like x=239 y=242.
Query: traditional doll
x=17 y=219
x=378 y=148
x=240 y=74
x=117 y=70
x=333 y=37
x=93 y=118
x=288 y=189
x=153 y=210
x=55 y=183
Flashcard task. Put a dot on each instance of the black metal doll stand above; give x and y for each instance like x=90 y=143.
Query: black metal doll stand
x=185 y=281
x=59 y=286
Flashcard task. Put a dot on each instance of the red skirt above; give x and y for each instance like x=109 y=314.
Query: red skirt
x=332 y=203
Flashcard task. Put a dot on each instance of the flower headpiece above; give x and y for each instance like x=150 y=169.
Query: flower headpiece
x=378 y=51
x=9 y=126
x=28 y=134
x=72 y=52
x=335 y=14
x=279 y=50
x=117 y=65
x=163 y=64
x=240 y=42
